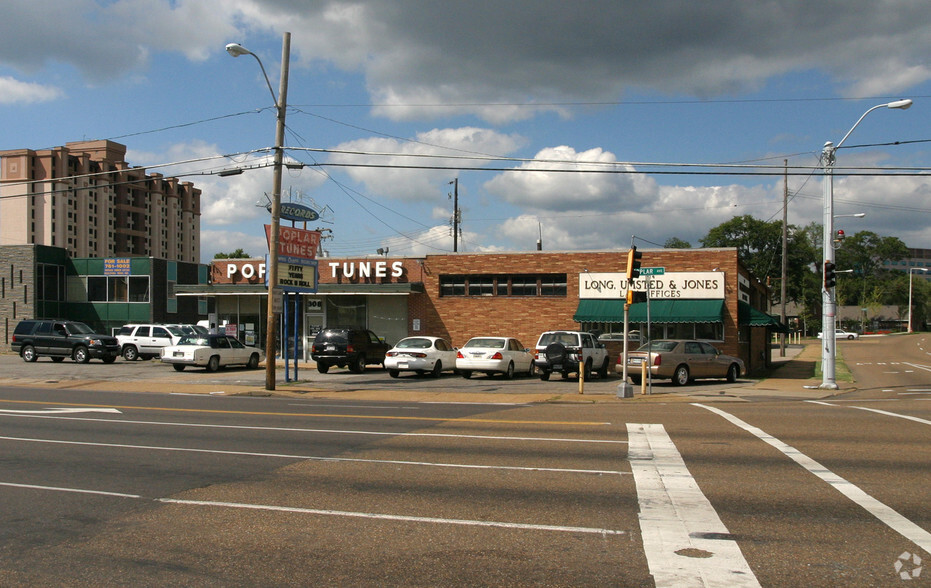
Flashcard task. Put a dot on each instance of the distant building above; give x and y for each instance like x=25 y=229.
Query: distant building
x=917 y=258
x=85 y=236
x=85 y=199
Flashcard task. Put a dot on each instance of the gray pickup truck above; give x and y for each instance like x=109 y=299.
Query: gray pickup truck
x=567 y=352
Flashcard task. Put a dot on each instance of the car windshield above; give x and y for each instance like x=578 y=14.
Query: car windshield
x=486 y=343
x=659 y=346
x=414 y=343
x=194 y=340
x=177 y=331
x=80 y=329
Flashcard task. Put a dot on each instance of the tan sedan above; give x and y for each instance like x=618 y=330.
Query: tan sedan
x=680 y=360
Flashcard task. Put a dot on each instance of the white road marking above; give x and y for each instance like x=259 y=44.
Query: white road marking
x=53 y=411
x=330 y=431
x=314 y=457
x=919 y=366
x=877 y=411
x=684 y=540
x=887 y=515
x=338 y=513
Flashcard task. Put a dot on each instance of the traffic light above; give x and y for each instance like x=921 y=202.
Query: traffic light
x=633 y=263
x=633 y=297
x=830 y=278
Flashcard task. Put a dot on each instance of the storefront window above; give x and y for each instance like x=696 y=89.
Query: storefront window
x=345 y=311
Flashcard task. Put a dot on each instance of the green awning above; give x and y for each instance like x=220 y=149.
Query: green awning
x=661 y=311
x=749 y=316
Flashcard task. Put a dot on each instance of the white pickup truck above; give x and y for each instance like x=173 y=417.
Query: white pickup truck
x=565 y=351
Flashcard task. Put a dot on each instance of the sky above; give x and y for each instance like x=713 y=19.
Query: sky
x=590 y=125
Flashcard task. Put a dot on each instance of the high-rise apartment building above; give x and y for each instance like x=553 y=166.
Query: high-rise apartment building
x=86 y=199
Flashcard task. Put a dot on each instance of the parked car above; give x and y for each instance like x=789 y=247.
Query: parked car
x=493 y=355
x=147 y=340
x=568 y=352
x=211 y=352
x=59 y=339
x=352 y=347
x=421 y=355
x=842 y=334
x=681 y=360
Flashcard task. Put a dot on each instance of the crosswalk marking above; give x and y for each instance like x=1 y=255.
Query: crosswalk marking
x=684 y=540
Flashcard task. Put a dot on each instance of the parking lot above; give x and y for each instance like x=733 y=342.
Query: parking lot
x=43 y=372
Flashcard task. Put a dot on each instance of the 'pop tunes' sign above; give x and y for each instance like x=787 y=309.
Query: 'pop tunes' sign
x=690 y=285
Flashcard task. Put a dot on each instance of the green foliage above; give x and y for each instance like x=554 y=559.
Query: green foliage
x=238 y=254
x=677 y=243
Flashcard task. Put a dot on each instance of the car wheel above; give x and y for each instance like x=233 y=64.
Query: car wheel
x=544 y=375
x=109 y=359
x=29 y=353
x=130 y=353
x=681 y=376
x=323 y=367
x=732 y=373
x=509 y=373
x=603 y=370
x=80 y=354
x=179 y=367
x=850 y=338
x=466 y=374
x=394 y=373
x=587 y=370
x=213 y=364
x=253 y=361
x=532 y=371
x=358 y=364
x=437 y=369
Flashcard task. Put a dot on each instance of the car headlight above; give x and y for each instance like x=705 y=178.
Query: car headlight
x=95 y=343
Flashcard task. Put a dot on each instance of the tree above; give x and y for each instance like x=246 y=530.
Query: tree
x=238 y=254
x=870 y=283
x=677 y=243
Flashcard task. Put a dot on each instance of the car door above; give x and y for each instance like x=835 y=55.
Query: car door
x=224 y=350
x=159 y=337
x=377 y=349
x=522 y=359
x=716 y=367
x=697 y=360
x=238 y=353
x=57 y=341
x=446 y=353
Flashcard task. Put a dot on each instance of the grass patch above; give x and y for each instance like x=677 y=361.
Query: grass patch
x=841 y=371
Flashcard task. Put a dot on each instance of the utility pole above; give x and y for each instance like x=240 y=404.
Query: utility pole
x=785 y=242
x=457 y=215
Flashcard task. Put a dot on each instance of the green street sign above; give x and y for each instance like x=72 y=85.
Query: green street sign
x=652 y=271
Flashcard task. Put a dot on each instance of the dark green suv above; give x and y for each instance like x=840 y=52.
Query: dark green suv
x=59 y=339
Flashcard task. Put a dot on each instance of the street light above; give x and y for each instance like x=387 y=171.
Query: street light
x=281 y=102
x=911 y=274
x=828 y=306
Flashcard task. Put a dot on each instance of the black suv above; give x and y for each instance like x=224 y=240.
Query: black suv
x=353 y=347
x=59 y=339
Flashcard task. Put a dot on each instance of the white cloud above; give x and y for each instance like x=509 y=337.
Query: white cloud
x=13 y=91
x=438 y=147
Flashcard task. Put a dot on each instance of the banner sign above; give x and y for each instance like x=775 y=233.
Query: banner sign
x=294 y=244
x=296 y=212
x=119 y=266
x=671 y=285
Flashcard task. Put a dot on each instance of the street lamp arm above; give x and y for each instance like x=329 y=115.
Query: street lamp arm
x=235 y=49
x=899 y=104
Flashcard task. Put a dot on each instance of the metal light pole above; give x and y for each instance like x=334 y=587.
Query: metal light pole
x=911 y=274
x=281 y=104
x=828 y=305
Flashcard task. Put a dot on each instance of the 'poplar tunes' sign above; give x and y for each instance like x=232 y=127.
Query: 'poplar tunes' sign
x=687 y=285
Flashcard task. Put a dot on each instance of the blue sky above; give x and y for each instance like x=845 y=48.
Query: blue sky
x=544 y=84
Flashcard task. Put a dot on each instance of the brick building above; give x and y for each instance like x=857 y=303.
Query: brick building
x=701 y=293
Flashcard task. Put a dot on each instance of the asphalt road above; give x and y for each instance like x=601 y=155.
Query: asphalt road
x=106 y=488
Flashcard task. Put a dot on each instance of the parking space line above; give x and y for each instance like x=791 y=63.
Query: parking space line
x=685 y=542
x=886 y=514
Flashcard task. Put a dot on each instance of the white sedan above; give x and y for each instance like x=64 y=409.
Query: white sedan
x=421 y=355
x=493 y=355
x=842 y=334
x=211 y=352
